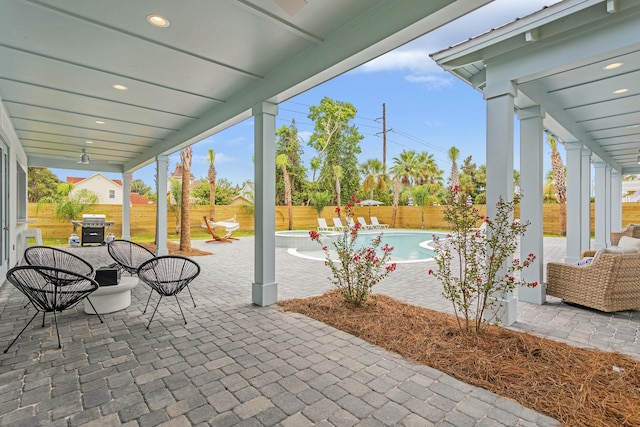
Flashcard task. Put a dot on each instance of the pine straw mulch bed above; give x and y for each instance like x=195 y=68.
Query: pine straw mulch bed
x=174 y=249
x=578 y=387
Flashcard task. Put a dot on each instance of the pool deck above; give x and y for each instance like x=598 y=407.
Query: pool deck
x=236 y=364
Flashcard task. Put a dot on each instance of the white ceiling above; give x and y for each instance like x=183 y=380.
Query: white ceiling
x=556 y=57
x=204 y=72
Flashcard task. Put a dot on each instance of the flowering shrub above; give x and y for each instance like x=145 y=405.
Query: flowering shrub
x=357 y=269
x=472 y=262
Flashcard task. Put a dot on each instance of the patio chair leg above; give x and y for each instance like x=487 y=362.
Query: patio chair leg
x=55 y=319
x=148 y=300
x=18 y=336
x=94 y=310
x=43 y=313
x=178 y=301
x=194 y=301
x=154 y=310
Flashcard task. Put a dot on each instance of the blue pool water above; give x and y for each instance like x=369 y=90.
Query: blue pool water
x=409 y=245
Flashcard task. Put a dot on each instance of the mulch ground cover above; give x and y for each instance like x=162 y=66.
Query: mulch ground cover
x=174 y=249
x=577 y=386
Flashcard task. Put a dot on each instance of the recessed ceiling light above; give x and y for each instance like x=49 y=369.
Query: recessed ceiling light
x=613 y=66
x=158 y=21
x=120 y=87
x=619 y=91
x=632 y=126
x=100 y=122
x=89 y=142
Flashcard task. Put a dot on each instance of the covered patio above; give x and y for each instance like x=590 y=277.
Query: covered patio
x=238 y=364
x=570 y=70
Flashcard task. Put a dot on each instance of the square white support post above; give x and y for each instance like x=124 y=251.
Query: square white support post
x=601 y=219
x=616 y=200
x=500 y=118
x=162 y=164
x=574 y=201
x=126 y=206
x=264 y=289
x=531 y=183
x=607 y=203
x=585 y=239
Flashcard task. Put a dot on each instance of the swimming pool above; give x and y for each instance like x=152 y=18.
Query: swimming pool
x=409 y=245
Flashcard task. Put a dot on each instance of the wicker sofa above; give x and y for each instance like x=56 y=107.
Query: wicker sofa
x=611 y=282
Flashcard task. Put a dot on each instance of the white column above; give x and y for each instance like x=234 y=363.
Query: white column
x=607 y=203
x=574 y=200
x=500 y=118
x=585 y=193
x=126 y=206
x=616 y=200
x=531 y=183
x=601 y=211
x=162 y=162
x=264 y=289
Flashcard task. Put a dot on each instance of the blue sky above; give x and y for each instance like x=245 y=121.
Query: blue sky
x=426 y=108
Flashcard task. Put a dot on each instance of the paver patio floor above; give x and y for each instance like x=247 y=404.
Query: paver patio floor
x=238 y=364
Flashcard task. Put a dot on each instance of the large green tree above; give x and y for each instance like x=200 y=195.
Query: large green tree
x=42 y=183
x=288 y=143
x=337 y=143
x=138 y=186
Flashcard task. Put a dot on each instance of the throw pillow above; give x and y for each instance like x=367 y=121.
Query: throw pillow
x=627 y=242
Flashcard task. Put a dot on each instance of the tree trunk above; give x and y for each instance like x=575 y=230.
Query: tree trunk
x=287 y=195
x=396 y=200
x=185 y=216
x=563 y=219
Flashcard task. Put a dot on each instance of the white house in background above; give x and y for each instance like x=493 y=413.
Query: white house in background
x=246 y=195
x=109 y=191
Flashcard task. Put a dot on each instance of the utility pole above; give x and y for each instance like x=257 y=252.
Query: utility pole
x=384 y=135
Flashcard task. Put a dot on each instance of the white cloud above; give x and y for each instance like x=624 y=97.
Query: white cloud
x=413 y=59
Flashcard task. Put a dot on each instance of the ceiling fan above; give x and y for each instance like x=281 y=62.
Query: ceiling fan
x=84 y=159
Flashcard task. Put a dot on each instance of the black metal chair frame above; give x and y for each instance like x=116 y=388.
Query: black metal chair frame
x=48 y=256
x=134 y=260
x=51 y=289
x=168 y=276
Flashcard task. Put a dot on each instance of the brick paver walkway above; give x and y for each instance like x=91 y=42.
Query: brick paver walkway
x=238 y=364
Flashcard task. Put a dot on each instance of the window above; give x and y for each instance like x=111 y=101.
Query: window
x=112 y=194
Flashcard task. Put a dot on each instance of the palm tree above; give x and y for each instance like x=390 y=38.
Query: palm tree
x=561 y=182
x=403 y=169
x=454 y=179
x=185 y=217
x=375 y=177
x=282 y=162
x=211 y=175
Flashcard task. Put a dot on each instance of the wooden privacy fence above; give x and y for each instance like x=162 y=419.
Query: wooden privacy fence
x=143 y=217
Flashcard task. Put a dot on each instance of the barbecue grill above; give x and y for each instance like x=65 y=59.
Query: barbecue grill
x=93 y=226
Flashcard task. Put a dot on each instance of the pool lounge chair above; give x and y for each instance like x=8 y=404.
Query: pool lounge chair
x=364 y=225
x=337 y=224
x=323 y=226
x=376 y=224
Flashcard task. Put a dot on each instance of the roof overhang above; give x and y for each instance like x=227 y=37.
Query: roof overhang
x=556 y=57
x=60 y=60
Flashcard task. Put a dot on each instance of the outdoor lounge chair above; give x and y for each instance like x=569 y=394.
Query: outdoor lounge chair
x=363 y=224
x=323 y=226
x=376 y=224
x=337 y=224
x=631 y=230
x=230 y=225
x=609 y=283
